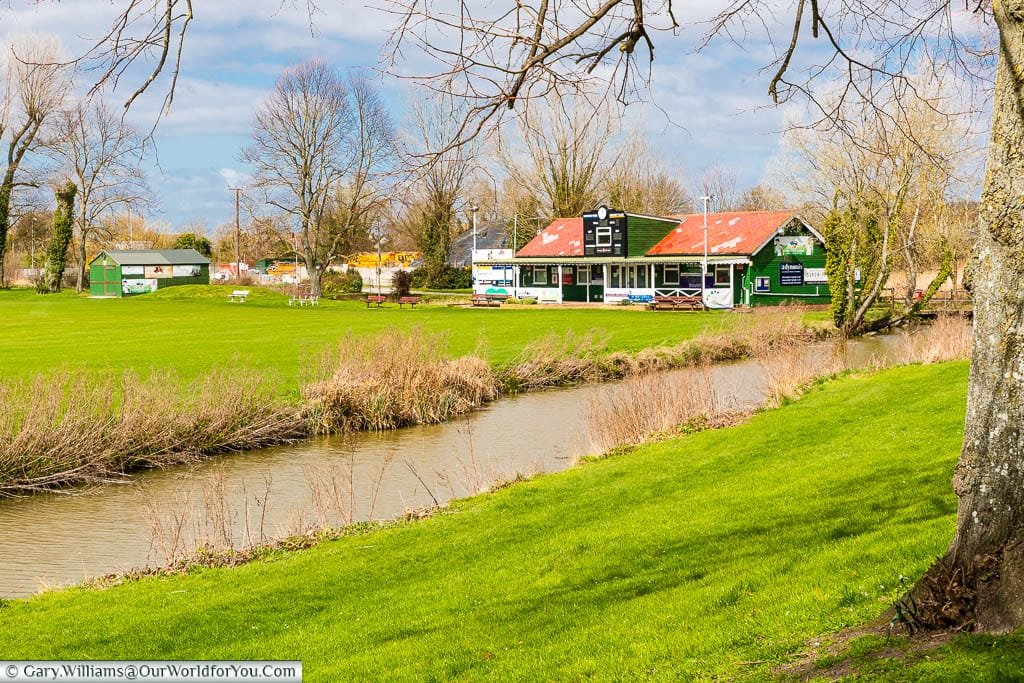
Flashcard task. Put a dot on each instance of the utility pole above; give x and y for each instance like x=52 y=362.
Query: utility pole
x=238 y=235
x=704 y=268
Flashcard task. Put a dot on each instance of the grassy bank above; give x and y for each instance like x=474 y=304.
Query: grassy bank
x=193 y=329
x=722 y=553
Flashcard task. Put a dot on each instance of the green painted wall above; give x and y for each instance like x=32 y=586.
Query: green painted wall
x=526 y=277
x=766 y=264
x=644 y=233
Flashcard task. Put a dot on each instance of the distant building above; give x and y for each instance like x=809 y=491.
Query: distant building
x=744 y=258
x=115 y=273
x=491 y=235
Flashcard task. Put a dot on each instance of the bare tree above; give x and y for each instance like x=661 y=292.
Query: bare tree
x=436 y=189
x=560 y=152
x=719 y=183
x=318 y=147
x=638 y=181
x=32 y=88
x=887 y=182
x=101 y=155
x=761 y=197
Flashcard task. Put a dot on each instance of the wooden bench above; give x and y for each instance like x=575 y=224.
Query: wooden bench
x=676 y=303
x=375 y=299
x=239 y=295
x=411 y=300
x=488 y=300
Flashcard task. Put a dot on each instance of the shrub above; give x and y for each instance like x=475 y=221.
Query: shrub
x=334 y=284
x=401 y=283
x=449 y=278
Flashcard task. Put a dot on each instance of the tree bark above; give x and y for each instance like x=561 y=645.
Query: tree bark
x=979 y=583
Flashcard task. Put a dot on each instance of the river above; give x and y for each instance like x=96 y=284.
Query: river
x=62 y=538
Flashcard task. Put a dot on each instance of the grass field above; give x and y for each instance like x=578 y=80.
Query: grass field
x=194 y=328
x=720 y=554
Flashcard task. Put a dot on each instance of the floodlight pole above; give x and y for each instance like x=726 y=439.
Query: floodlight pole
x=704 y=270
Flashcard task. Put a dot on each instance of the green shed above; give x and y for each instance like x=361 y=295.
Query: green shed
x=126 y=273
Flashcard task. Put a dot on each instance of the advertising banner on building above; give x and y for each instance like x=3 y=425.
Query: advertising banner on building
x=800 y=245
x=157 y=271
x=186 y=271
x=137 y=286
x=791 y=274
x=133 y=270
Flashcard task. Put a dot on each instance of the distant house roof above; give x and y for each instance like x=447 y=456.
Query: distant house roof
x=489 y=235
x=155 y=257
x=564 y=237
x=729 y=233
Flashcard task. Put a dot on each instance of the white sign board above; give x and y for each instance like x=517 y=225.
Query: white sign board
x=815 y=276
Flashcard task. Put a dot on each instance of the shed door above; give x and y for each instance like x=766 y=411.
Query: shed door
x=111 y=281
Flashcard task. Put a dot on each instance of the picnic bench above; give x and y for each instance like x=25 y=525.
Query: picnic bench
x=239 y=295
x=411 y=300
x=308 y=300
x=377 y=299
x=488 y=300
x=676 y=303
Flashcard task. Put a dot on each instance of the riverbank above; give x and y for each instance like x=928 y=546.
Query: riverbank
x=722 y=553
x=93 y=426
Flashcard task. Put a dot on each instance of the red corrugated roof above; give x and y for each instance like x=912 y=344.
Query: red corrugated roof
x=729 y=233
x=564 y=237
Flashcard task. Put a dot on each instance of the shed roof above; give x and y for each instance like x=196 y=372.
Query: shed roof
x=729 y=233
x=155 y=257
x=489 y=235
x=564 y=237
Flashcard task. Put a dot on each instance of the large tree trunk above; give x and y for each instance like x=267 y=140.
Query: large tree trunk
x=5 y=220
x=979 y=583
x=80 y=281
x=63 y=230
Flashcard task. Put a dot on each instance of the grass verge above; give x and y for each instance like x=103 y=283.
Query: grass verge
x=718 y=554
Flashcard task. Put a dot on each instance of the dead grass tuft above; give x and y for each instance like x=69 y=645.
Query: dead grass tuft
x=394 y=380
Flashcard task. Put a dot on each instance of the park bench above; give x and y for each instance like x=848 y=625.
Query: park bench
x=308 y=300
x=487 y=300
x=676 y=303
x=377 y=299
x=411 y=300
x=239 y=295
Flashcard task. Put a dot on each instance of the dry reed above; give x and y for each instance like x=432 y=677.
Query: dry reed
x=641 y=408
x=394 y=380
x=947 y=338
x=569 y=359
x=64 y=428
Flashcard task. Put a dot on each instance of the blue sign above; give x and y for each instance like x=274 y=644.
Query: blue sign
x=641 y=298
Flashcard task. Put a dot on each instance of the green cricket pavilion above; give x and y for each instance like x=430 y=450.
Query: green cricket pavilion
x=116 y=273
x=741 y=258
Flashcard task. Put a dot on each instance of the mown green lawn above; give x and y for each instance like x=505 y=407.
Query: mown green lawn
x=720 y=554
x=193 y=328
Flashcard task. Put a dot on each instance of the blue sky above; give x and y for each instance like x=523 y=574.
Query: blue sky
x=235 y=50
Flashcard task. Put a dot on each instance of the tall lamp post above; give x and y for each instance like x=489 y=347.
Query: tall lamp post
x=704 y=266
